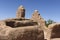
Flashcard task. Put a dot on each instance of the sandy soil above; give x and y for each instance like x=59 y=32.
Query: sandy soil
x=56 y=39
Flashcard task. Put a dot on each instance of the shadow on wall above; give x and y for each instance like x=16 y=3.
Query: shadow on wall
x=54 y=30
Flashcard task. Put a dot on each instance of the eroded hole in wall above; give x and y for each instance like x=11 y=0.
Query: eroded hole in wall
x=10 y=23
x=14 y=24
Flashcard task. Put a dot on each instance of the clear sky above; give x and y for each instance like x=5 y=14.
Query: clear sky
x=49 y=9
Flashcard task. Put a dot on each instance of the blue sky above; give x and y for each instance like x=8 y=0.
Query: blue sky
x=49 y=9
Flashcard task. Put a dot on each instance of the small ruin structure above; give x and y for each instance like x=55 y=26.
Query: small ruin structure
x=21 y=28
x=20 y=19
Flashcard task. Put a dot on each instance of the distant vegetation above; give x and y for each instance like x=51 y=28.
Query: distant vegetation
x=48 y=22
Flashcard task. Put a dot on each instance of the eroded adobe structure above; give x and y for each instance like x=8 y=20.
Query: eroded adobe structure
x=20 y=19
x=20 y=28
